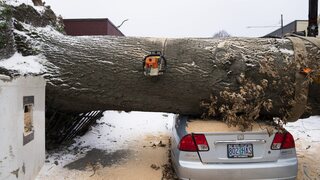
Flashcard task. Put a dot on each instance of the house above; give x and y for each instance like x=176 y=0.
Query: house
x=297 y=26
x=87 y=27
x=22 y=127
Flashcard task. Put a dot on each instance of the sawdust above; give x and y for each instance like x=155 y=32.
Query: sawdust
x=308 y=158
x=144 y=161
x=200 y=125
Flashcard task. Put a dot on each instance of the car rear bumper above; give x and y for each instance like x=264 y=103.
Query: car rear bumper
x=281 y=169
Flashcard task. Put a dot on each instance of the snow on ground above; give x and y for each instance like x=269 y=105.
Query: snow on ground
x=307 y=129
x=135 y=140
x=24 y=64
x=307 y=138
x=120 y=128
x=127 y=146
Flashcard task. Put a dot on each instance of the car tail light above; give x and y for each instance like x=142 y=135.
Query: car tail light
x=282 y=141
x=194 y=142
x=187 y=144
x=201 y=142
x=288 y=141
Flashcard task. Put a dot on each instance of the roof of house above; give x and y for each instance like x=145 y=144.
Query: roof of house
x=110 y=28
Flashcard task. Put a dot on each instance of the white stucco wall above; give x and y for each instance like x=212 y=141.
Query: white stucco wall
x=18 y=161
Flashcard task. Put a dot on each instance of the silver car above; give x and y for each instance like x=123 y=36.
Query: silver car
x=210 y=150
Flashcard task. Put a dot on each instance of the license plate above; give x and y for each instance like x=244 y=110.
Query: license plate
x=240 y=150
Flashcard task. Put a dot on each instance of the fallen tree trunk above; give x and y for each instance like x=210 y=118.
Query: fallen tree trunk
x=226 y=78
x=106 y=72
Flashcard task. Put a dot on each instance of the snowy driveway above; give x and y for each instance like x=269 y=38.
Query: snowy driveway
x=135 y=146
x=121 y=146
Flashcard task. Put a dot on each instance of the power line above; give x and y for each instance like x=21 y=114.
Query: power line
x=262 y=26
x=272 y=26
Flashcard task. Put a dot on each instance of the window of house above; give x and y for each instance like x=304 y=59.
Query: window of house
x=28 y=119
x=28 y=134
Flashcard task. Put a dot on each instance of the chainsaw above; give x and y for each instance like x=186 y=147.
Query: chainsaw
x=154 y=64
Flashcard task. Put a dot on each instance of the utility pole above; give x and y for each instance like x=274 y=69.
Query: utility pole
x=313 y=18
x=282 y=26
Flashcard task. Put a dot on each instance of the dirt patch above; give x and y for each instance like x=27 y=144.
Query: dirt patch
x=168 y=171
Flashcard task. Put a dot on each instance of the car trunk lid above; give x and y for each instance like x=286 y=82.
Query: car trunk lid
x=230 y=145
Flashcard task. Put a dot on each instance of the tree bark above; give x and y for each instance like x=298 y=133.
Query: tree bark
x=106 y=72
x=203 y=75
x=37 y=2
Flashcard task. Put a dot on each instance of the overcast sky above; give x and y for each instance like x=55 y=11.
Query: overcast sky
x=186 y=18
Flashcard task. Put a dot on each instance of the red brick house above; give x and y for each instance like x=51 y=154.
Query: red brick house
x=87 y=27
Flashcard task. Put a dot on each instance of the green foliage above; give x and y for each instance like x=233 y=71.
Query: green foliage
x=3 y=25
x=6 y=12
x=2 y=41
x=59 y=25
x=5 y=16
x=60 y=29
x=3 y=28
